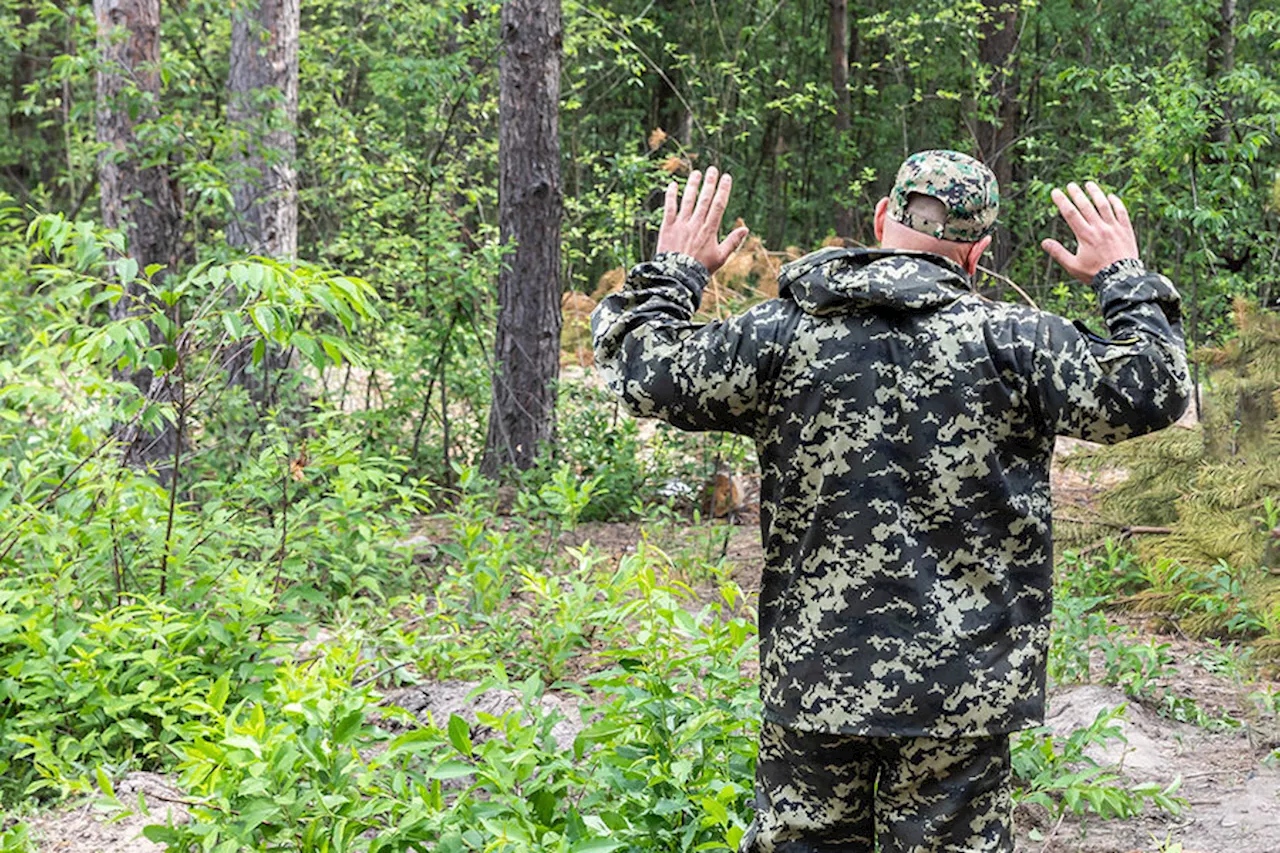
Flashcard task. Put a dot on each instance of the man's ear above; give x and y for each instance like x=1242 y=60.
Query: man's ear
x=975 y=255
x=882 y=209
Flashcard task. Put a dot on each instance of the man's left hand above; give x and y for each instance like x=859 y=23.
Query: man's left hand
x=693 y=229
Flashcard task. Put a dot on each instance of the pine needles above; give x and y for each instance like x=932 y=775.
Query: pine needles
x=1218 y=487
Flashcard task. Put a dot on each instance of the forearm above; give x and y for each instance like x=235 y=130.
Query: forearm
x=1130 y=383
x=661 y=364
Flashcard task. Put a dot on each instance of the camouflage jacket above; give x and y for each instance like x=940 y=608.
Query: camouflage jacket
x=905 y=427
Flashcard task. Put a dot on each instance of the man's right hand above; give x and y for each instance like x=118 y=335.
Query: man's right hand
x=693 y=228
x=1103 y=231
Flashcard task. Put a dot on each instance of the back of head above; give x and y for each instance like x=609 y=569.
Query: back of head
x=945 y=195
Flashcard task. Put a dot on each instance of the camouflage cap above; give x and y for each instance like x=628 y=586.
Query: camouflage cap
x=967 y=188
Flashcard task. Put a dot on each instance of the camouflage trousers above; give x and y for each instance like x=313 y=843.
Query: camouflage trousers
x=821 y=793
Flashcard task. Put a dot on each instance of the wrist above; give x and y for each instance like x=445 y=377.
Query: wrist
x=1123 y=266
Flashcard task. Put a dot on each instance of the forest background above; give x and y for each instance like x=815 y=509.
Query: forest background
x=287 y=289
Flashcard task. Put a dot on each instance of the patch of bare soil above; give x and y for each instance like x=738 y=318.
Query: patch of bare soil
x=81 y=828
x=1233 y=800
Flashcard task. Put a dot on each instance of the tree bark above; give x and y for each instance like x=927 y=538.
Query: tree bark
x=844 y=123
x=262 y=110
x=1221 y=62
x=998 y=39
x=22 y=127
x=527 y=339
x=139 y=199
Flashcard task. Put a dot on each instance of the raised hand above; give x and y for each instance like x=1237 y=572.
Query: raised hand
x=694 y=227
x=1103 y=231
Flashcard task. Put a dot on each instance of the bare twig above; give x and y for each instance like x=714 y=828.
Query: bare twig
x=1011 y=283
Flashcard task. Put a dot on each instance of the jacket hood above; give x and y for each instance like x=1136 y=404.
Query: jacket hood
x=836 y=281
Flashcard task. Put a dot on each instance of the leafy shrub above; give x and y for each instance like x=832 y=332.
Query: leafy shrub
x=1060 y=775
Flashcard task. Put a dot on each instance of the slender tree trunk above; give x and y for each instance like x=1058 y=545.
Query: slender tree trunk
x=844 y=123
x=137 y=198
x=1221 y=62
x=995 y=134
x=262 y=110
x=22 y=127
x=527 y=340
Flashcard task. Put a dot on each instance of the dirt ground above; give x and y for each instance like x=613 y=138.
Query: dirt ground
x=83 y=828
x=1233 y=798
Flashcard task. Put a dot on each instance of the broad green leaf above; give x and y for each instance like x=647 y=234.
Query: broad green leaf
x=219 y=692
x=460 y=735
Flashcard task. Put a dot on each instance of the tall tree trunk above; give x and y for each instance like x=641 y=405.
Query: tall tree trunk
x=1222 y=61
x=22 y=127
x=137 y=198
x=844 y=122
x=998 y=39
x=527 y=340
x=262 y=110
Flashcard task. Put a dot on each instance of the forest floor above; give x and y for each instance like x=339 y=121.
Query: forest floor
x=1232 y=796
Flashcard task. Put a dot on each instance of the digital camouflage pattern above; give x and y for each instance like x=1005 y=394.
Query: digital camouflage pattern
x=814 y=793
x=904 y=427
x=967 y=188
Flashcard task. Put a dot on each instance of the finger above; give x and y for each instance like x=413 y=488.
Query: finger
x=718 y=203
x=1082 y=203
x=730 y=244
x=1059 y=253
x=704 y=197
x=1122 y=212
x=690 y=194
x=669 y=204
x=1100 y=202
x=1069 y=213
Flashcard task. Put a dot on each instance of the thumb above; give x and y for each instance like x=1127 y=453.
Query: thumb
x=730 y=244
x=1059 y=253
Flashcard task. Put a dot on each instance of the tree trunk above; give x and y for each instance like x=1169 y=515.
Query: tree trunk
x=844 y=123
x=139 y=199
x=22 y=127
x=1221 y=62
x=262 y=110
x=527 y=339
x=995 y=135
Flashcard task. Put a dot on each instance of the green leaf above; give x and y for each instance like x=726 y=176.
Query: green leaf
x=596 y=845
x=126 y=269
x=264 y=318
x=104 y=782
x=460 y=734
x=257 y=812
x=219 y=692
x=135 y=728
x=452 y=769
x=347 y=728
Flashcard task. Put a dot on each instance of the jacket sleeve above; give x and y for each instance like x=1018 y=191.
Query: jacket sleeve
x=1110 y=389
x=696 y=376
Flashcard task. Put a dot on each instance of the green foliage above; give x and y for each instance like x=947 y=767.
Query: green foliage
x=1061 y=775
x=15 y=839
x=84 y=687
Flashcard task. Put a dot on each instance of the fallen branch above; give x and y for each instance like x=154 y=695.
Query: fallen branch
x=1125 y=533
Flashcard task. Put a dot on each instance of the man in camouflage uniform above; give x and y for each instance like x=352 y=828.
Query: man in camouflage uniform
x=905 y=427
